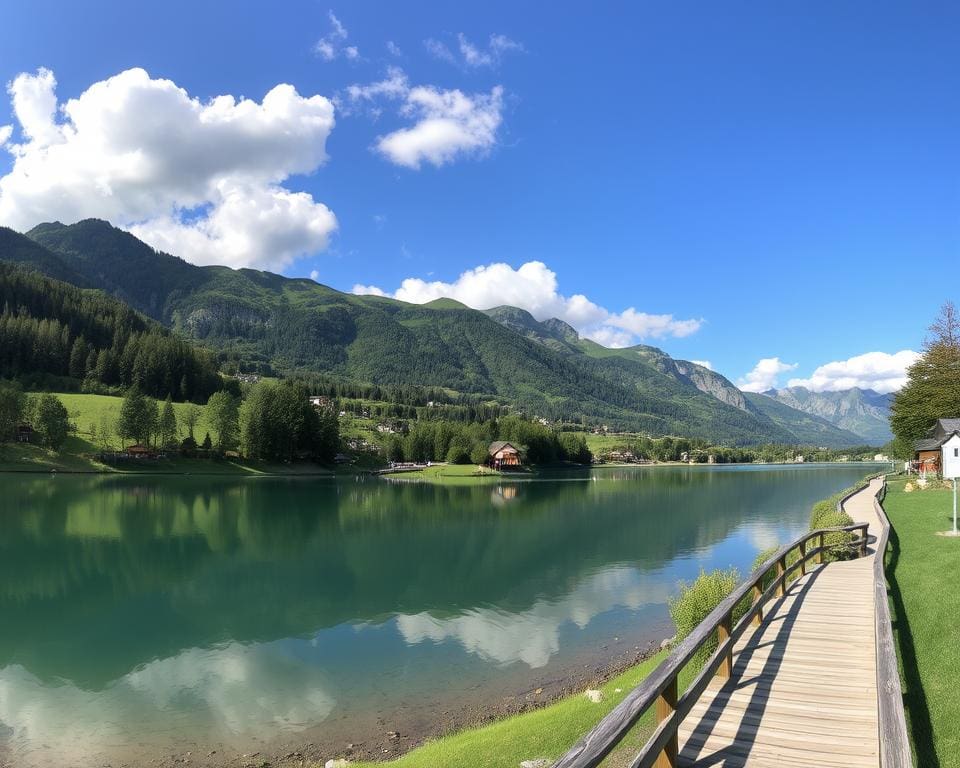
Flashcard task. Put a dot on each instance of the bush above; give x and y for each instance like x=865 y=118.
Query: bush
x=697 y=599
x=837 y=544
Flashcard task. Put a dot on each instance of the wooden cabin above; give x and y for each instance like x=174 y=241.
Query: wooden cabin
x=942 y=445
x=503 y=455
x=139 y=452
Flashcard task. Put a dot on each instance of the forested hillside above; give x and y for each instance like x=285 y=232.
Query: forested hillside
x=49 y=330
x=261 y=322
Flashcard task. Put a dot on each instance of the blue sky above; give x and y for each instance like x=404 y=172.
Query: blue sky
x=753 y=180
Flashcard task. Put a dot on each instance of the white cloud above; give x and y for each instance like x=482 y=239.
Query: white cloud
x=393 y=48
x=394 y=86
x=314 y=275
x=473 y=56
x=449 y=125
x=202 y=180
x=879 y=371
x=6 y=131
x=534 y=287
x=764 y=375
x=439 y=50
x=703 y=364
x=330 y=46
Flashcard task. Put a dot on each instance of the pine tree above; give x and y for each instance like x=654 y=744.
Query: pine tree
x=167 y=427
x=78 y=358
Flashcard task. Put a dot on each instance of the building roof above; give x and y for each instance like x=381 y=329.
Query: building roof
x=944 y=428
x=499 y=445
x=932 y=443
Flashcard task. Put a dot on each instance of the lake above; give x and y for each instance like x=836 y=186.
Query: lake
x=145 y=616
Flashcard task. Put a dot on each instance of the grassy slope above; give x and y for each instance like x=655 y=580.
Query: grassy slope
x=925 y=602
x=546 y=732
x=86 y=411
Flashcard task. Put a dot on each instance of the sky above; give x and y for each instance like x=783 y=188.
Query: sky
x=772 y=189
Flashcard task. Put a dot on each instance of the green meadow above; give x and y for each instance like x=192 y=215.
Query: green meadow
x=925 y=602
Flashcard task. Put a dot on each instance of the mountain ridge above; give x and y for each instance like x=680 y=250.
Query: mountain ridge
x=862 y=411
x=262 y=320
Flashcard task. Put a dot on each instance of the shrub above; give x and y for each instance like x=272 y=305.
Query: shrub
x=792 y=556
x=837 y=544
x=697 y=599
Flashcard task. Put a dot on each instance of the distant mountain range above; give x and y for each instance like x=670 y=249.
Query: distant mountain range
x=862 y=411
x=295 y=324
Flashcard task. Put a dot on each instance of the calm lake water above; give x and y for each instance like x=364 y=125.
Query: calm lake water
x=142 y=614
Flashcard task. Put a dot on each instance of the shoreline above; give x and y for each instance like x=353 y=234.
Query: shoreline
x=418 y=475
x=378 y=737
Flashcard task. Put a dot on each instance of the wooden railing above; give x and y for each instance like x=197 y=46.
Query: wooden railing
x=660 y=688
x=894 y=742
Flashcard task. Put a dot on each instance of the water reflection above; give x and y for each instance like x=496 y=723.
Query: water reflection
x=156 y=608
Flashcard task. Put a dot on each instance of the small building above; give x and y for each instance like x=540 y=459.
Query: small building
x=939 y=450
x=24 y=433
x=320 y=401
x=503 y=455
x=139 y=452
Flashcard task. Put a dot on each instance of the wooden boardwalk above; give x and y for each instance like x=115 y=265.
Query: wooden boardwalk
x=803 y=691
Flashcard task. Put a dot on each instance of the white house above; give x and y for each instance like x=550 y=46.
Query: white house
x=950 y=453
x=939 y=452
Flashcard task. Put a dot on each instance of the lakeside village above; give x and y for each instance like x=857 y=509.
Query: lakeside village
x=285 y=422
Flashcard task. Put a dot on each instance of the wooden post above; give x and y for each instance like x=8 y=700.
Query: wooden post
x=781 y=569
x=725 y=670
x=820 y=553
x=757 y=594
x=666 y=705
x=803 y=558
x=863 y=542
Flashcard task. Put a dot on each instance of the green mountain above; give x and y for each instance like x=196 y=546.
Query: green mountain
x=648 y=362
x=862 y=411
x=20 y=249
x=289 y=324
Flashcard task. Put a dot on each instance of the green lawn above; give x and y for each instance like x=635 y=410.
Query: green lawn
x=923 y=571
x=453 y=474
x=543 y=733
x=87 y=412
x=600 y=443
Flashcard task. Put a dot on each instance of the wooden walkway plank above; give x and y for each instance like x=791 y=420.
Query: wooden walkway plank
x=803 y=688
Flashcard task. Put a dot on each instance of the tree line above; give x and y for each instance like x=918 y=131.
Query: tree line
x=275 y=422
x=468 y=443
x=700 y=451
x=51 y=331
